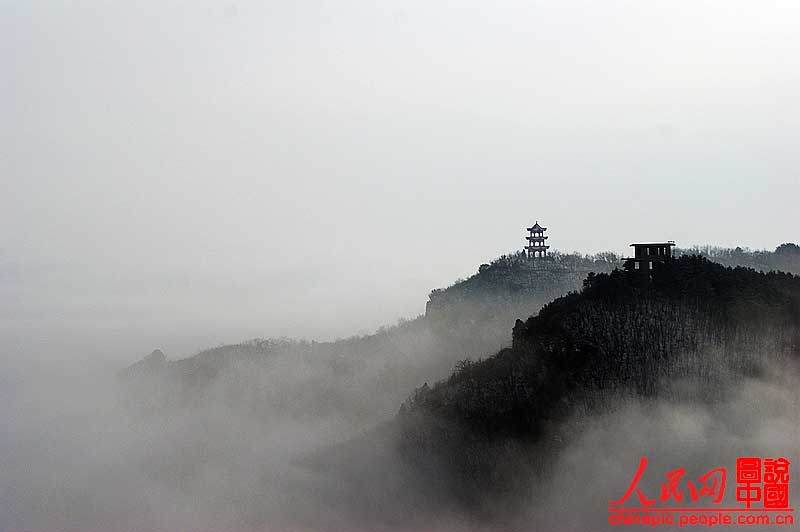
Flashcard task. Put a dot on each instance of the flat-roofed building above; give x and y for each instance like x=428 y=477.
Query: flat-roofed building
x=646 y=254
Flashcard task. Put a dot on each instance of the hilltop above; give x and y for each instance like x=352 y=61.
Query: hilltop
x=785 y=257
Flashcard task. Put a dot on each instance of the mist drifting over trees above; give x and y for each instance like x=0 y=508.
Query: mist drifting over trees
x=278 y=434
x=347 y=266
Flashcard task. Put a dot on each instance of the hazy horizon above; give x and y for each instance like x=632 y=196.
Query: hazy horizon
x=183 y=175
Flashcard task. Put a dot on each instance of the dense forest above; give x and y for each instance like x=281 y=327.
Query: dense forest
x=785 y=258
x=622 y=335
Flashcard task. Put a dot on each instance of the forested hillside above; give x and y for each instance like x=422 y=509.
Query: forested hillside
x=785 y=258
x=470 y=319
x=368 y=376
x=695 y=322
x=476 y=443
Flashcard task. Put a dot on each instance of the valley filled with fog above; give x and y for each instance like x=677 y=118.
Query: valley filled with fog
x=269 y=265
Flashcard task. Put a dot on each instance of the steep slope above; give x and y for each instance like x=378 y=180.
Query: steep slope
x=695 y=322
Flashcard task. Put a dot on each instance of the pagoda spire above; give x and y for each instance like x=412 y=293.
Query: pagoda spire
x=536 y=247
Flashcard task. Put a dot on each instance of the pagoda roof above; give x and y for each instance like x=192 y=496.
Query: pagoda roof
x=536 y=227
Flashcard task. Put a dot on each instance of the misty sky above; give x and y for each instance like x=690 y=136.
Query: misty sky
x=180 y=174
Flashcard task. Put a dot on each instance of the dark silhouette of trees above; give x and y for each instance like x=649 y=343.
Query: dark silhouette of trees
x=695 y=319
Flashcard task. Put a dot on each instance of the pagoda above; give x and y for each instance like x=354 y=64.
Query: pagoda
x=536 y=247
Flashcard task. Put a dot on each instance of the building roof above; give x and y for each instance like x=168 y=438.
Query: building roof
x=668 y=243
x=536 y=227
